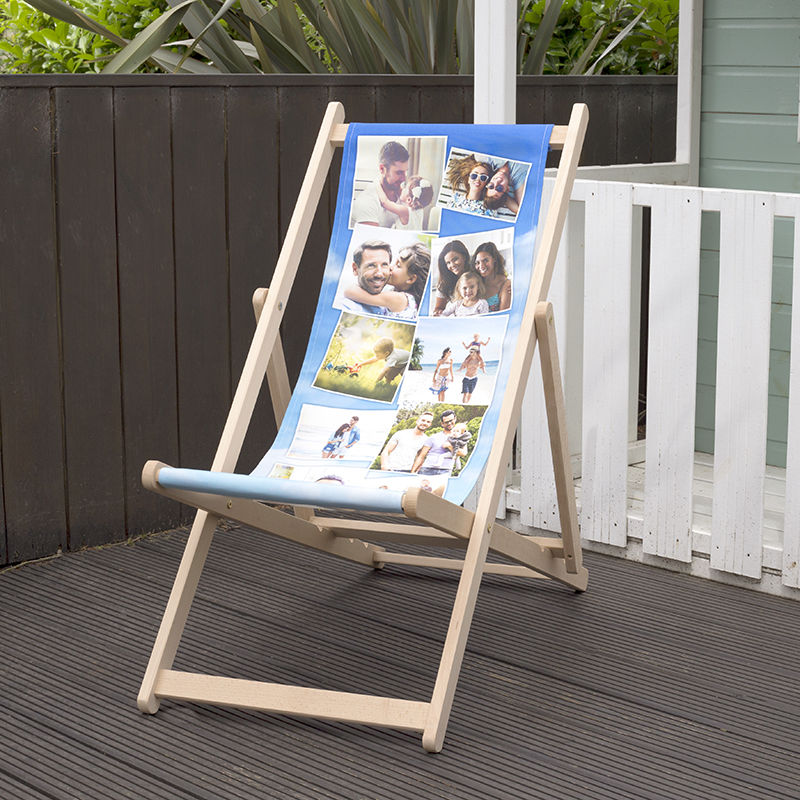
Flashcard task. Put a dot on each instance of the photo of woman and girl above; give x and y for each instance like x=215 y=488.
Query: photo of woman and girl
x=487 y=186
x=468 y=285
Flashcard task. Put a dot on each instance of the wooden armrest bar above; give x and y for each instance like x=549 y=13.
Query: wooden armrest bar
x=557 y=138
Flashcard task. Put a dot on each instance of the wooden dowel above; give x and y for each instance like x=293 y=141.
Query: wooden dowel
x=557 y=138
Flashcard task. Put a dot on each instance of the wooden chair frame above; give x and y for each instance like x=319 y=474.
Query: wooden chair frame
x=439 y=522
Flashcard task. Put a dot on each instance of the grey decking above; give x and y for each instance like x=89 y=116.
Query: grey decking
x=650 y=685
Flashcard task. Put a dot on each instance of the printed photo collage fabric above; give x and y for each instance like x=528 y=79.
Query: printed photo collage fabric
x=425 y=283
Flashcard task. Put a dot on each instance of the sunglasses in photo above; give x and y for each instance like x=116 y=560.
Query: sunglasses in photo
x=473 y=176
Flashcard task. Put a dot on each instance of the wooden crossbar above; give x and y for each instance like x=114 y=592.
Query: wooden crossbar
x=410 y=559
x=266 y=518
x=298 y=701
x=557 y=138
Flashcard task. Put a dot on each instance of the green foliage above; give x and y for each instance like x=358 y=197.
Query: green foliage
x=32 y=41
x=416 y=354
x=585 y=28
x=342 y=36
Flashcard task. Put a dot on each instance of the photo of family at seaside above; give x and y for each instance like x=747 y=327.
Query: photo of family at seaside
x=396 y=181
x=483 y=185
x=366 y=357
x=385 y=273
x=339 y=434
x=456 y=360
x=431 y=439
x=471 y=273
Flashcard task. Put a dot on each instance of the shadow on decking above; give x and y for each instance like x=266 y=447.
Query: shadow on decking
x=650 y=685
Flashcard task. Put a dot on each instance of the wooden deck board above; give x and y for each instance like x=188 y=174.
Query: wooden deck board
x=649 y=685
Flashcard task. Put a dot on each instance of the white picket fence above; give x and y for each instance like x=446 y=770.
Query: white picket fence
x=658 y=498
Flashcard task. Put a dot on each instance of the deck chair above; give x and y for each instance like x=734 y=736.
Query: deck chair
x=412 y=463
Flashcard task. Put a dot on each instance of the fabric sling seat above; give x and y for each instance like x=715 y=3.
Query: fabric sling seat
x=432 y=251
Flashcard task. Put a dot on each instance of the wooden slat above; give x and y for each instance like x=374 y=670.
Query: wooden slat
x=201 y=271
x=90 y=315
x=791 y=524
x=740 y=441
x=253 y=234
x=633 y=125
x=408 y=559
x=557 y=436
x=607 y=282
x=671 y=373
x=298 y=701
x=443 y=104
x=143 y=162
x=30 y=372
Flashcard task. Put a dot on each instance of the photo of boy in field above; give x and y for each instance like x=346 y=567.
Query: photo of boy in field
x=367 y=357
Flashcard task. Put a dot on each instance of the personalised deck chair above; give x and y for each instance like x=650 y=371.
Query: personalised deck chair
x=428 y=316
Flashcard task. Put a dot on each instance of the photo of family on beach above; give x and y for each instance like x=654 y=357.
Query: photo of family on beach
x=385 y=273
x=366 y=357
x=471 y=273
x=456 y=360
x=431 y=439
x=396 y=181
x=483 y=185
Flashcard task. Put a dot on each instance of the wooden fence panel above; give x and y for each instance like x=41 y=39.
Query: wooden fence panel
x=740 y=440
x=671 y=372
x=791 y=523
x=30 y=372
x=301 y=112
x=201 y=271
x=142 y=138
x=89 y=315
x=607 y=288
x=253 y=235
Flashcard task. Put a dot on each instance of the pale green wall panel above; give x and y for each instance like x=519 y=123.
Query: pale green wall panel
x=750 y=137
x=748 y=140
x=751 y=42
x=744 y=9
x=740 y=90
x=754 y=175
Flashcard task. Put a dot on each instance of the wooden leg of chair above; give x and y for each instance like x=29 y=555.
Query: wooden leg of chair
x=557 y=426
x=178 y=605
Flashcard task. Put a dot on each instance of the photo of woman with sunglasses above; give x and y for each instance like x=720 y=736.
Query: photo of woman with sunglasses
x=467 y=178
x=484 y=185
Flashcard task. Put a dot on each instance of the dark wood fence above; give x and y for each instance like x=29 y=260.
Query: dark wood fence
x=137 y=216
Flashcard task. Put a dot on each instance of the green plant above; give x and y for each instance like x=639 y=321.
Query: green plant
x=32 y=41
x=645 y=32
x=372 y=36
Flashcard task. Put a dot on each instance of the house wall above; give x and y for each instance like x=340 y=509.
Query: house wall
x=749 y=140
